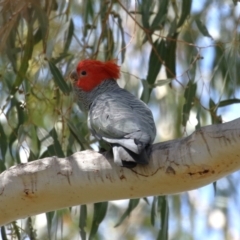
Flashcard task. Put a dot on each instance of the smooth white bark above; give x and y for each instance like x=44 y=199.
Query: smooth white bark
x=86 y=177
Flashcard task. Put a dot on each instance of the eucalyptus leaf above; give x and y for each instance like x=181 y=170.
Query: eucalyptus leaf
x=100 y=210
x=58 y=78
x=202 y=28
x=131 y=206
x=189 y=96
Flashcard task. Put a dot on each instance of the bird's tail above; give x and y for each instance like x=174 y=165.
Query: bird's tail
x=126 y=158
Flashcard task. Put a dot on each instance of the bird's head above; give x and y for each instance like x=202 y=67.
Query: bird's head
x=90 y=73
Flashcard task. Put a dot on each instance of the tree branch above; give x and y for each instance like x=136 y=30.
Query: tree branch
x=86 y=177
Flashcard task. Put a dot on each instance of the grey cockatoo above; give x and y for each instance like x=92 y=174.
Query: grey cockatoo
x=114 y=114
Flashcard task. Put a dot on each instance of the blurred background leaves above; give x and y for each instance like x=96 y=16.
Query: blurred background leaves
x=180 y=57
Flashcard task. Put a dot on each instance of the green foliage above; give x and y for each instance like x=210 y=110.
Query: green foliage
x=189 y=101
x=131 y=205
x=185 y=11
x=57 y=76
x=100 y=210
x=202 y=28
x=83 y=221
x=163 y=208
x=184 y=58
x=158 y=49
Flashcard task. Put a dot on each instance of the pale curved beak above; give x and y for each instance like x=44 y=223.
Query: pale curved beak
x=73 y=76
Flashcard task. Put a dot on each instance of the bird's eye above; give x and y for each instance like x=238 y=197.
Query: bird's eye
x=83 y=73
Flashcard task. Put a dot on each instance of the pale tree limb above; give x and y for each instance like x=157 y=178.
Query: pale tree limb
x=87 y=177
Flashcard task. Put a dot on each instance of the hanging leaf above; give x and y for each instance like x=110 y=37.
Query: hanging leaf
x=145 y=199
x=2 y=166
x=189 y=96
x=21 y=118
x=11 y=49
x=58 y=78
x=78 y=137
x=170 y=60
x=131 y=206
x=54 y=149
x=145 y=9
x=89 y=13
x=27 y=55
x=146 y=91
x=16 y=230
x=69 y=36
x=3 y=143
x=198 y=117
x=153 y=210
x=123 y=44
x=202 y=28
x=213 y=111
x=83 y=221
x=228 y=102
x=186 y=8
x=215 y=188
x=37 y=37
x=43 y=24
x=49 y=216
x=31 y=232
x=100 y=210
x=3 y=233
x=157 y=56
x=109 y=45
x=164 y=216
x=172 y=31
x=161 y=15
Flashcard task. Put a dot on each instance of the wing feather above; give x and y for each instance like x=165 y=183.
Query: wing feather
x=118 y=114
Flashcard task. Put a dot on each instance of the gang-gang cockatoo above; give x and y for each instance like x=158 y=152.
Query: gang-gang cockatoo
x=114 y=114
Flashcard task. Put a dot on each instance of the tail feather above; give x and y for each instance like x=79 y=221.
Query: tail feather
x=126 y=158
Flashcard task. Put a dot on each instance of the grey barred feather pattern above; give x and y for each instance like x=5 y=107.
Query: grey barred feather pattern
x=85 y=99
x=118 y=117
